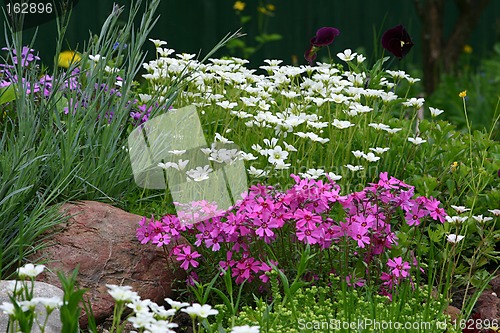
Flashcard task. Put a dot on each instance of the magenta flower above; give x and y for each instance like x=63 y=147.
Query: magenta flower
x=399 y=268
x=413 y=216
x=359 y=234
x=324 y=37
x=397 y=41
x=187 y=257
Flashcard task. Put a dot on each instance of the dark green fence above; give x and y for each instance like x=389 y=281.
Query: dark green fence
x=194 y=25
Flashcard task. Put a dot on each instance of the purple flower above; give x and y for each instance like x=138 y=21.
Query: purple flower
x=397 y=41
x=324 y=37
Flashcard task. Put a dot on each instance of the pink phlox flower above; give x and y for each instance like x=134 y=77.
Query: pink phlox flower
x=264 y=228
x=247 y=267
x=187 y=256
x=399 y=268
x=161 y=239
x=414 y=215
x=143 y=232
x=317 y=206
x=309 y=235
x=155 y=228
x=306 y=219
x=353 y=281
x=435 y=211
x=359 y=234
x=341 y=230
x=172 y=226
x=386 y=182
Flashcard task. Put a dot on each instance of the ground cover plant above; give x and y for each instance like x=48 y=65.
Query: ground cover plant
x=357 y=204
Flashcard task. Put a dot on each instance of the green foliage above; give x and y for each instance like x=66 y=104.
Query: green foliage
x=483 y=96
x=332 y=309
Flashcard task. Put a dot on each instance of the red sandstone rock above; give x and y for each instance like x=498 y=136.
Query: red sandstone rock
x=101 y=240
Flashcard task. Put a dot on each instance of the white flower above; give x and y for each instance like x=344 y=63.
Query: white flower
x=435 y=112
x=7 y=308
x=199 y=174
x=220 y=138
x=176 y=305
x=122 y=293
x=379 y=126
x=247 y=156
x=370 y=157
x=456 y=219
x=257 y=172
x=481 y=219
x=379 y=150
x=140 y=306
x=277 y=154
x=145 y=98
x=392 y=130
x=452 y=238
x=202 y=311
x=416 y=140
x=245 y=329
x=460 y=209
x=341 y=124
x=177 y=152
x=414 y=102
x=354 y=168
x=226 y=105
x=316 y=173
x=347 y=56
x=357 y=153
x=495 y=212
x=334 y=176
x=142 y=319
x=360 y=58
x=96 y=58
x=157 y=42
x=167 y=165
x=30 y=270
x=289 y=147
x=50 y=303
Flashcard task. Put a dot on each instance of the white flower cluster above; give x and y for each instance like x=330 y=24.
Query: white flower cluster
x=285 y=100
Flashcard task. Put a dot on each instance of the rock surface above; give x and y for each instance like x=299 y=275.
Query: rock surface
x=41 y=289
x=100 y=240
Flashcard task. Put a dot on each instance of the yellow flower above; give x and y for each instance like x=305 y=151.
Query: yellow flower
x=262 y=10
x=66 y=58
x=463 y=94
x=270 y=7
x=454 y=166
x=467 y=49
x=239 y=5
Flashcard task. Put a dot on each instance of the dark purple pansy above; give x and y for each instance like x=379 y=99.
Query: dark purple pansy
x=397 y=41
x=310 y=54
x=324 y=36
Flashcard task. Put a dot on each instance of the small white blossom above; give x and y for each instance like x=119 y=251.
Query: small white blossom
x=460 y=209
x=30 y=270
x=495 y=212
x=157 y=42
x=417 y=140
x=414 y=102
x=201 y=311
x=347 y=55
x=176 y=305
x=341 y=124
x=354 y=167
x=379 y=150
x=334 y=176
x=177 y=152
x=96 y=58
x=245 y=329
x=452 y=238
x=456 y=219
x=435 y=112
x=370 y=157
x=481 y=219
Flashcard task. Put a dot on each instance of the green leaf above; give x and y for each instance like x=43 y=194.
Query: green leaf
x=7 y=94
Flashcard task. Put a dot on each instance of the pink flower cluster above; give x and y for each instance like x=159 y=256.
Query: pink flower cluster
x=311 y=212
